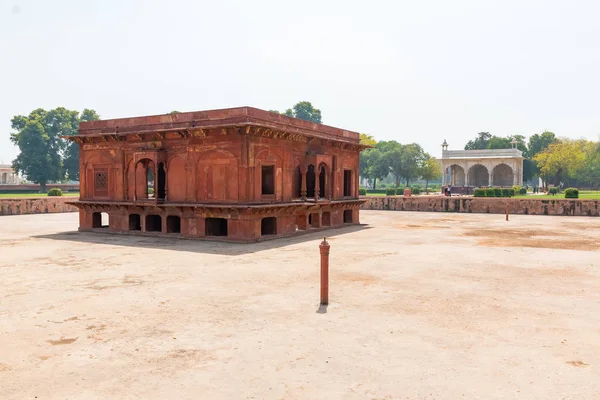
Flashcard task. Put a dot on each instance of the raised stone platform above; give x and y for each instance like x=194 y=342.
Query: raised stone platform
x=35 y=205
x=535 y=206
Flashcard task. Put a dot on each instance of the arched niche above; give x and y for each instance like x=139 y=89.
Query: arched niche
x=176 y=179
x=217 y=172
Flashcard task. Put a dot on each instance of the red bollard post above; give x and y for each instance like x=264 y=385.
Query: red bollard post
x=324 y=248
x=507 y=211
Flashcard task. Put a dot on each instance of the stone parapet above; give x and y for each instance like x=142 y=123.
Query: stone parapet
x=35 y=205
x=533 y=206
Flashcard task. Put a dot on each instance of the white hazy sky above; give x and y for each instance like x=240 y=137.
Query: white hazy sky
x=405 y=70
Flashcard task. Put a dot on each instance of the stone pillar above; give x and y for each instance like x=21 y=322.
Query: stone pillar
x=443 y=174
x=317 y=186
x=490 y=179
x=303 y=171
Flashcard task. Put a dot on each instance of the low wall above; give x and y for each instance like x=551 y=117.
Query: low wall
x=35 y=205
x=543 y=206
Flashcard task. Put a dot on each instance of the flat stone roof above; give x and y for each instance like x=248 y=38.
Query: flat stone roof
x=481 y=154
x=210 y=119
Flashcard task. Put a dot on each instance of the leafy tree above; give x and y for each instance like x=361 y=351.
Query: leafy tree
x=71 y=154
x=174 y=112
x=562 y=159
x=373 y=165
x=367 y=139
x=481 y=142
x=302 y=110
x=38 y=158
x=411 y=160
x=44 y=154
x=431 y=170
x=540 y=142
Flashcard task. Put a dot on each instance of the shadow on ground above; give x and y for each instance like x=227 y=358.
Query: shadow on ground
x=199 y=246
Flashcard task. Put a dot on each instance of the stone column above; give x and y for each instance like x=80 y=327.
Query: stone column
x=317 y=186
x=490 y=179
x=303 y=171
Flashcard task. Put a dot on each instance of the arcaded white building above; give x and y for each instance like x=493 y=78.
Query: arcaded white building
x=8 y=176
x=494 y=167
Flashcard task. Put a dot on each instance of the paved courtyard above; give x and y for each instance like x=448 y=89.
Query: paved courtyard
x=424 y=306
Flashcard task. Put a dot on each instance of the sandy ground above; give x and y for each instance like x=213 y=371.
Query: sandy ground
x=424 y=306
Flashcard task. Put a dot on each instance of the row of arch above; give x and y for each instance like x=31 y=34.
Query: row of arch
x=478 y=175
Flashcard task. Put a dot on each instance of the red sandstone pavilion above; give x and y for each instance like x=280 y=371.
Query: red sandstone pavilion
x=238 y=174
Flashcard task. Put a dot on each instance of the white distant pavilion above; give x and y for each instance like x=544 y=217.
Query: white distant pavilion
x=8 y=176
x=479 y=168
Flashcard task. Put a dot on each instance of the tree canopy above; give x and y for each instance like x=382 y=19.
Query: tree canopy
x=302 y=110
x=45 y=157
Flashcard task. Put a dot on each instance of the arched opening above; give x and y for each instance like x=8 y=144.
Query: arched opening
x=455 y=175
x=347 y=216
x=322 y=181
x=150 y=183
x=268 y=226
x=326 y=219
x=160 y=189
x=297 y=183
x=153 y=223
x=135 y=222
x=310 y=181
x=502 y=175
x=100 y=220
x=314 y=220
x=479 y=176
x=173 y=224
x=347 y=183
x=268 y=179
x=215 y=227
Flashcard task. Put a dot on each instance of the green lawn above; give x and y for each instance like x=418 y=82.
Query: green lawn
x=583 y=194
x=20 y=195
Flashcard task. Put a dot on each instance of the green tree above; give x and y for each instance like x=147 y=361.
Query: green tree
x=537 y=144
x=37 y=160
x=367 y=140
x=431 y=170
x=563 y=159
x=373 y=165
x=71 y=154
x=479 y=143
x=412 y=159
x=302 y=110
x=44 y=155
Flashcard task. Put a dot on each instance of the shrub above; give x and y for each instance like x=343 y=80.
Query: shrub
x=479 y=193
x=390 y=192
x=504 y=192
x=522 y=191
x=490 y=192
x=511 y=192
x=55 y=192
x=571 y=193
x=415 y=190
x=553 y=191
x=362 y=191
x=150 y=190
x=498 y=192
x=517 y=189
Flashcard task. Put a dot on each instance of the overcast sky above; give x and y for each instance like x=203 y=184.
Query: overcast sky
x=412 y=71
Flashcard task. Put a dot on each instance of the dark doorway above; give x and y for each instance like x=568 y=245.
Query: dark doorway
x=268 y=179
x=99 y=220
x=173 y=224
x=310 y=181
x=216 y=227
x=135 y=222
x=347 y=183
x=297 y=183
x=153 y=223
x=314 y=220
x=161 y=182
x=326 y=219
x=347 y=216
x=322 y=182
x=268 y=226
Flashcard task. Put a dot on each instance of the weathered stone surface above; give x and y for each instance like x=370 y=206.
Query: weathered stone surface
x=534 y=206
x=36 y=205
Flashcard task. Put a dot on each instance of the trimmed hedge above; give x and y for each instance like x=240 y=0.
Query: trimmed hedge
x=553 y=191
x=522 y=191
x=571 y=193
x=55 y=192
x=390 y=192
x=493 y=192
x=479 y=193
x=362 y=191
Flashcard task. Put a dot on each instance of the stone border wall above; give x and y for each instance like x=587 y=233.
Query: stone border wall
x=35 y=205
x=543 y=206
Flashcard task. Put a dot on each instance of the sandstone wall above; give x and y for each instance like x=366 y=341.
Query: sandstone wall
x=537 y=206
x=35 y=205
